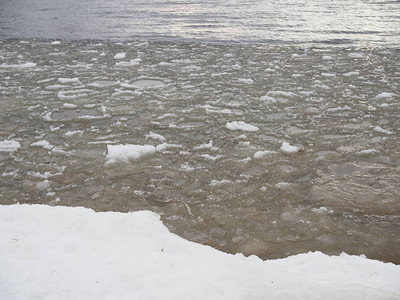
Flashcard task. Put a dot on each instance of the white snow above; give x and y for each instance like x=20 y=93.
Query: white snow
x=288 y=149
x=9 y=146
x=240 y=125
x=120 y=153
x=74 y=253
x=120 y=55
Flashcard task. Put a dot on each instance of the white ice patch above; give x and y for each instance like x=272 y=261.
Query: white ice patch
x=288 y=149
x=260 y=154
x=9 y=146
x=246 y=80
x=240 y=125
x=356 y=55
x=282 y=94
x=20 y=66
x=349 y=74
x=381 y=130
x=121 y=153
x=328 y=74
x=56 y=43
x=69 y=80
x=385 y=95
x=74 y=132
x=120 y=55
x=165 y=146
x=131 y=63
x=44 y=144
x=209 y=145
x=70 y=105
x=327 y=57
x=155 y=136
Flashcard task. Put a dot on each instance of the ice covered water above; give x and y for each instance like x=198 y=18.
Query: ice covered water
x=263 y=150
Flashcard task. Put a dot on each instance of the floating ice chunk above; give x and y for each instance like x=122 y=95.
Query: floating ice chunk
x=131 y=63
x=328 y=74
x=20 y=66
x=186 y=167
x=205 y=146
x=385 y=95
x=288 y=149
x=260 y=154
x=384 y=105
x=71 y=133
x=281 y=94
x=9 y=146
x=367 y=152
x=209 y=157
x=56 y=43
x=327 y=57
x=147 y=83
x=219 y=182
x=44 y=144
x=348 y=74
x=70 y=105
x=155 y=136
x=117 y=153
x=240 y=125
x=246 y=80
x=356 y=55
x=164 y=146
x=120 y=55
x=381 y=130
x=69 y=80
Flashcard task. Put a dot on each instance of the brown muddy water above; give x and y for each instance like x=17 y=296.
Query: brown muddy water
x=312 y=162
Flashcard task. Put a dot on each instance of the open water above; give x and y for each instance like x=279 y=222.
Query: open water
x=78 y=77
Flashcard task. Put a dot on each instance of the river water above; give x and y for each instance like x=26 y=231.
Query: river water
x=268 y=135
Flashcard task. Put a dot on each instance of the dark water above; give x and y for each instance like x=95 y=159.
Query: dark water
x=357 y=23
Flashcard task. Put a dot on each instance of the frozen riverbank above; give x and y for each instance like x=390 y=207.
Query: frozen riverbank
x=74 y=253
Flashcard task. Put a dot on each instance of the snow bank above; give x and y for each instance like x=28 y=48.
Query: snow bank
x=74 y=253
x=118 y=153
x=241 y=126
x=9 y=146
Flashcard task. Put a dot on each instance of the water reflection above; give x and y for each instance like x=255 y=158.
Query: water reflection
x=360 y=23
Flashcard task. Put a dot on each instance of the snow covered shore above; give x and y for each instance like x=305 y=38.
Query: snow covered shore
x=74 y=253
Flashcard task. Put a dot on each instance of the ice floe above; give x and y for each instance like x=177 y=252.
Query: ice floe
x=121 y=153
x=240 y=125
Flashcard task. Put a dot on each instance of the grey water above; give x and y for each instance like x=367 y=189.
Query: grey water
x=361 y=23
x=78 y=77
